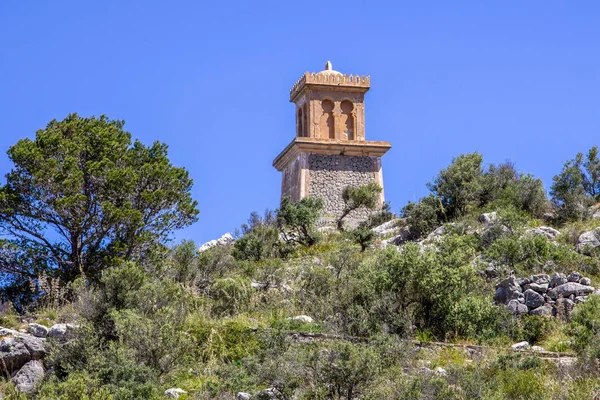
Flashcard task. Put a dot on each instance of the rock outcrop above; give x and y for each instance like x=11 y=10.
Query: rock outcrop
x=540 y=294
x=224 y=240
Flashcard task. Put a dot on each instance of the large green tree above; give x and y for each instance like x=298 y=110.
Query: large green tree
x=82 y=194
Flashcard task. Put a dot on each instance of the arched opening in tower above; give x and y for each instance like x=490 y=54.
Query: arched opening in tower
x=347 y=119
x=326 y=124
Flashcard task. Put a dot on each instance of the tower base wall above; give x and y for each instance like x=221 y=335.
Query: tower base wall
x=326 y=176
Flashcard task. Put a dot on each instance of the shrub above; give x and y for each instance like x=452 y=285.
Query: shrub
x=356 y=197
x=585 y=323
x=230 y=295
x=297 y=221
x=535 y=328
x=362 y=236
x=577 y=186
x=259 y=243
x=344 y=370
x=476 y=317
x=423 y=217
x=459 y=186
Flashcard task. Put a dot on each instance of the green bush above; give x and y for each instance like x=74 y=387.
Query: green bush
x=424 y=216
x=297 y=221
x=78 y=386
x=535 y=328
x=230 y=295
x=343 y=371
x=362 y=236
x=584 y=327
x=476 y=317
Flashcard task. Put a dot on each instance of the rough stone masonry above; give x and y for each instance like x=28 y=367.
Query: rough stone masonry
x=329 y=152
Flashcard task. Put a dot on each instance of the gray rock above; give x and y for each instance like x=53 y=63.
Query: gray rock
x=224 y=240
x=546 y=231
x=520 y=346
x=573 y=288
x=523 y=281
x=557 y=280
x=29 y=377
x=507 y=290
x=585 y=281
x=488 y=218
x=533 y=299
x=440 y=371
x=404 y=235
x=58 y=331
x=439 y=231
x=540 y=279
x=302 y=318
x=540 y=288
x=588 y=240
x=386 y=228
x=37 y=330
x=544 y=311
x=35 y=345
x=243 y=396
x=574 y=277
x=515 y=307
x=13 y=354
x=174 y=393
x=580 y=299
x=537 y=348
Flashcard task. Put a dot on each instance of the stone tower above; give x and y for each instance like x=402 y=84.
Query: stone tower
x=329 y=152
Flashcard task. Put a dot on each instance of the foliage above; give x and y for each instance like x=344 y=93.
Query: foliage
x=424 y=216
x=380 y=217
x=297 y=220
x=362 y=236
x=577 y=186
x=459 y=185
x=81 y=193
x=477 y=317
x=360 y=196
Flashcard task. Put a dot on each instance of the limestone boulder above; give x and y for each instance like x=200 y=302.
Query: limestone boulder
x=545 y=231
x=574 y=277
x=13 y=354
x=516 y=307
x=573 y=288
x=540 y=279
x=224 y=240
x=488 y=219
x=558 y=279
x=243 y=396
x=588 y=241
x=520 y=346
x=37 y=330
x=174 y=393
x=540 y=288
x=29 y=377
x=387 y=227
x=305 y=319
x=403 y=236
x=585 y=281
x=36 y=346
x=533 y=299
x=59 y=331
x=543 y=311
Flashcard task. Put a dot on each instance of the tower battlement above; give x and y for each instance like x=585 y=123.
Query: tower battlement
x=318 y=78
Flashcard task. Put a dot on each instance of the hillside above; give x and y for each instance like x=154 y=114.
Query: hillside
x=485 y=289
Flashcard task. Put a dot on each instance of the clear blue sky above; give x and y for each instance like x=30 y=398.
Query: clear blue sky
x=516 y=80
